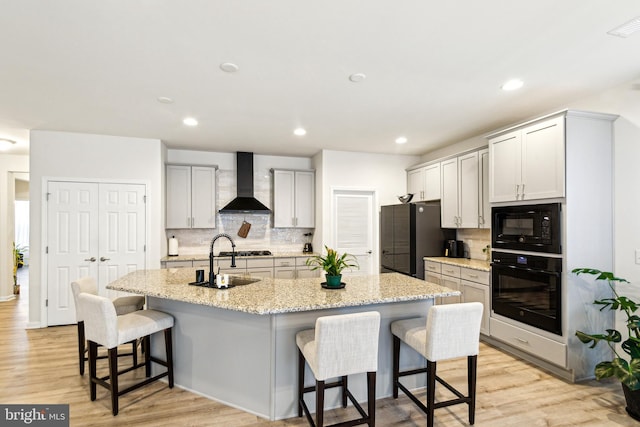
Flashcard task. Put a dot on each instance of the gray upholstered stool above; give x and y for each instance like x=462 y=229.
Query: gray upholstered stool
x=104 y=327
x=449 y=331
x=339 y=346
x=123 y=305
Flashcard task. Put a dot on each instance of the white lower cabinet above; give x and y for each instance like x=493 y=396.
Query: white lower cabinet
x=267 y=267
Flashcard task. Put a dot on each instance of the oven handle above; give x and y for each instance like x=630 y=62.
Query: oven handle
x=530 y=270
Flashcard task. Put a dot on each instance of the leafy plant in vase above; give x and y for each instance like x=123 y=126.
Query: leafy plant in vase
x=625 y=368
x=333 y=264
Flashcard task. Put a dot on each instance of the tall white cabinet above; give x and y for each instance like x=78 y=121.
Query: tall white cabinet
x=293 y=198
x=459 y=194
x=191 y=196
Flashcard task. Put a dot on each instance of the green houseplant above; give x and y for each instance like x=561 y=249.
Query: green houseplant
x=17 y=263
x=332 y=264
x=625 y=367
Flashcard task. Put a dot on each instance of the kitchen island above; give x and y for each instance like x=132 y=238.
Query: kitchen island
x=237 y=345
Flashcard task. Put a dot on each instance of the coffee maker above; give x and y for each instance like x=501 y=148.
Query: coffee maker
x=454 y=249
x=308 y=247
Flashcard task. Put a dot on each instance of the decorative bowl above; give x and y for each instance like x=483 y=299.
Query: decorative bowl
x=406 y=198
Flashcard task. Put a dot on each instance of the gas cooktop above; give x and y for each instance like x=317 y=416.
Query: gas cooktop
x=246 y=253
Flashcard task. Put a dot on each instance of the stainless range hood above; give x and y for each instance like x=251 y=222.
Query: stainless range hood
x=244 y=202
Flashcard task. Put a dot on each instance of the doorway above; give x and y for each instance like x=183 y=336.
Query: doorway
x=354 y=222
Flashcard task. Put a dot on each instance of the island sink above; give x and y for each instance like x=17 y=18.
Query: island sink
x=233 y=281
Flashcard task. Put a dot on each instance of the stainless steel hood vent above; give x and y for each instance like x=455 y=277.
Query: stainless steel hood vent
x=245 y=202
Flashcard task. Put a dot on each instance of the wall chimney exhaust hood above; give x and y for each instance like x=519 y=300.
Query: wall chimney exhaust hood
x=244 y=202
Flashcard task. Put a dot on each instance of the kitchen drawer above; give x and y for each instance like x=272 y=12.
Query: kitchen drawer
x=433 y=267
x=266 y=272
x=450 y=270
x=284 y=262
x=474 y=275
x=178 y=264
x=259 y=262
x=535 y=344
x=201 y=263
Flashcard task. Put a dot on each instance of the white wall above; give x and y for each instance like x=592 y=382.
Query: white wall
x=383 y=173
x=8 y=165
x=86 y=157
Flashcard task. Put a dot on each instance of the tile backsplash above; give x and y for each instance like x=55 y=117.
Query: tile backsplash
x=475 y=240
x=261 y=235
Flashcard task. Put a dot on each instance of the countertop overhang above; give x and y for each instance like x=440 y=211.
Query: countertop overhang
x=274 y=296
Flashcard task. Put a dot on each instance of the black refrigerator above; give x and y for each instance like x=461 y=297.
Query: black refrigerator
x=409 y=232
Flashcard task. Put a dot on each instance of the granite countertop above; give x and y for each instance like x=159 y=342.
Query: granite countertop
x=474 y=264
x=204 y=257
x=272 y=296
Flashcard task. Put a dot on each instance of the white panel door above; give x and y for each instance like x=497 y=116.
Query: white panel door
x=72 y=244
x=283 y=198
x=505 y=167
x=449 y=193
x=543 y=160
x=305 y=199
x=93 y=229
x=122 y=233
x=468 y=190
x=203 y=197
x=353 y=228
x=178 y=196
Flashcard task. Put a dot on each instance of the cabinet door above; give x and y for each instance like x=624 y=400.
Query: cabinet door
x=484 y=219
x=451 y=283
x=449 y=193
x=178 y=196
x=475 y=292
x=415 y=184
x=307 y=273
x=283 y=198
x=203 y=197
x=260 y=272
x=543 y=160
x=432 y=277
x=305 y=199
x=468 y=190
x=284 y=273
x=432 y=182
x=505 y=167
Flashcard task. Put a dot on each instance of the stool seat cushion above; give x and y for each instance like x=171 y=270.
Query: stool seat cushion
x=341 y=344
x=104 y=327
x=128 y=304
x=413 y=332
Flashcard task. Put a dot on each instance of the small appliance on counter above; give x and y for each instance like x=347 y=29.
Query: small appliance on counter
x=307 y=248
x=173 y=246
x=454 y=249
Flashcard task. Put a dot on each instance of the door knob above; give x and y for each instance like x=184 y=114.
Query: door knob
x=369 y=252
x=92 y=259
x=104 y=259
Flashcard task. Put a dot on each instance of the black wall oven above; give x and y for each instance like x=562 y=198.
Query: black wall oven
x=533 y=228
x=528 y=288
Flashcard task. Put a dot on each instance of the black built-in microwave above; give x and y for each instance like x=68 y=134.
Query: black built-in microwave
x=533 y=228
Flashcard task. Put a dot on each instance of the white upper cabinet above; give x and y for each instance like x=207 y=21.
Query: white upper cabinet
x=528 y=163
x=424 y=183
x=191 y=196
x=459 y=194
x=293 y=198
x=484 y=219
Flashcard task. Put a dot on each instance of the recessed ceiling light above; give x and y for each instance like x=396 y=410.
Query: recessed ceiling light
x=5 y=144
x=626 y=29
x=165 y=100
x=357 y=77
x=512 y=84
x=190 y=121
x=300 y=132
x=401 y=140
x=229 y=67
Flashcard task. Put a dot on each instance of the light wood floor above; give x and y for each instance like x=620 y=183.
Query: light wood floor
x=40 y=366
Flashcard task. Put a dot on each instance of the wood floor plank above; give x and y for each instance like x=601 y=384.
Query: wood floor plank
x=39 y=366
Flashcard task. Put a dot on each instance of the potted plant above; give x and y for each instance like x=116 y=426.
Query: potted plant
x=625 y=368
x=332 y=264
x=18 y=262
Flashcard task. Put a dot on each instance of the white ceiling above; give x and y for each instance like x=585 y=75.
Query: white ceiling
x=434 y=69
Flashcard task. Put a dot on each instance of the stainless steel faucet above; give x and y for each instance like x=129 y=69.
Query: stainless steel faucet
x=212 y=275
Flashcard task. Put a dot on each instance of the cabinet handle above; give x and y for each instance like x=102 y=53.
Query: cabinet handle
x=522 y=195
x=104 y=259
x=480 y=220
x=523 y=341
x=517 y=191
x=475 y=276
x=449 y=271
x=92 y=259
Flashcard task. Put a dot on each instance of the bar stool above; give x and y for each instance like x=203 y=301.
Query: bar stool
x=104 y=327
x=449 y=331
x=123 y=305
x=339 y=346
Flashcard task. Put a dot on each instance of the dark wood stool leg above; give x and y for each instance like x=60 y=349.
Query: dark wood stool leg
x=300 y=381
x=93 y=354
x=147 y=356
x=472 y=363
x=134 y=351
x=431 y=391
x=319 y=403
x=371 y=398
x=344 y=391
x=169 y=349
x=113 y=379
x=396 y=365
x=81 y=346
